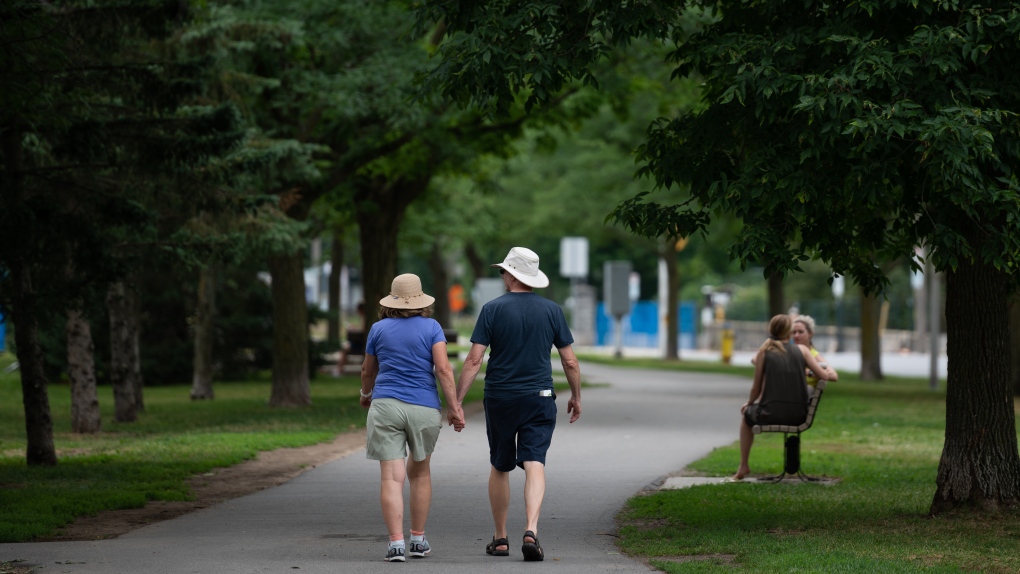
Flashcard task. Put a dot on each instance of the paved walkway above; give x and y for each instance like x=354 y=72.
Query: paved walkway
x=898 y=364
x=634 y=430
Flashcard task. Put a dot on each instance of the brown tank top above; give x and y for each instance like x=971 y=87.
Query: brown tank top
x=784 y=398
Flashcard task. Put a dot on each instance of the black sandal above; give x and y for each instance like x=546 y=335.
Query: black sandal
x=492 y=547
x=532 y=550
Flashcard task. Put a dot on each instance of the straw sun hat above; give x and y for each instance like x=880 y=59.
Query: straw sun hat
x=522 y=263
x=406 y=293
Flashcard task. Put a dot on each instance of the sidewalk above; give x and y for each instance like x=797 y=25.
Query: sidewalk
x=904 y=365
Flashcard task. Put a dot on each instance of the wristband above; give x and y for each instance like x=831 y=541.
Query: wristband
x=365 y=396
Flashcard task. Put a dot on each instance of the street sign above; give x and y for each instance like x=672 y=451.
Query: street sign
x=615 y=288
x=574 y=257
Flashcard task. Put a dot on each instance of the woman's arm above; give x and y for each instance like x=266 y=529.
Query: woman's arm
x=823 y=373
x=369 y=371
x=820 y=359
x=759 y=379
x=444 y=372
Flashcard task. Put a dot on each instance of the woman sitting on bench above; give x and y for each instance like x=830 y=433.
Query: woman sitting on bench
x=779 y=392
x=803 y=334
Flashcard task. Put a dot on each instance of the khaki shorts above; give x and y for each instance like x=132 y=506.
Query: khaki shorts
x=393 y=424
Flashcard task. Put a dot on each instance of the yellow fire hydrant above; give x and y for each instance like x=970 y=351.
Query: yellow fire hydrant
x=727 y=345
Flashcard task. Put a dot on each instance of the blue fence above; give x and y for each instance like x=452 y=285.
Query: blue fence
x=641 y=326
x=3 y=332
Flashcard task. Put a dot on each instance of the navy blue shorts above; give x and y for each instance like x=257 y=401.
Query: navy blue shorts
x=519 y=429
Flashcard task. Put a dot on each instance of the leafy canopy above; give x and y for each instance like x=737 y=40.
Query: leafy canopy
x=853 y=131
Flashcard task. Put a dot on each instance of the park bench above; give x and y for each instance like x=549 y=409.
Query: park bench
x=791 y=440
x=356 y=350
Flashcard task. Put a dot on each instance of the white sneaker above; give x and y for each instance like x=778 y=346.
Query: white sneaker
x=394 y=554
x=419 y=549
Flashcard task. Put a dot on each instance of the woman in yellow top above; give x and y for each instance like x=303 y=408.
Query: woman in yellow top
x=803 y=332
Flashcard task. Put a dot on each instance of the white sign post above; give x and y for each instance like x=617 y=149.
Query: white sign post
x=574 y=257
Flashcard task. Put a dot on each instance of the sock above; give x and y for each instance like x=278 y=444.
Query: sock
x=397 y=543
x=417 y=536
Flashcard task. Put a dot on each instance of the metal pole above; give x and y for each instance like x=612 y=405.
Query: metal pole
x=839 y=325
x=934 y=299
x=663 y=308
x=619 y=337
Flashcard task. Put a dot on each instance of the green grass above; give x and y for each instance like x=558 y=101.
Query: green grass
x=883 y=440
x=127 y=465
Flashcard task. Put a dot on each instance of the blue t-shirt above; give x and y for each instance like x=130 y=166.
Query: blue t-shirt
x=520 y=330
x=403 y=348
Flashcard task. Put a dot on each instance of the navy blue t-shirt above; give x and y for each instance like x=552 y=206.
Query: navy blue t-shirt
x=520 y=330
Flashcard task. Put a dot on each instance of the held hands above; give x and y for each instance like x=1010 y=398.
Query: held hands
x=455 y=416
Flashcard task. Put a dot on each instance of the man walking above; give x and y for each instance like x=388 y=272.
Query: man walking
x=521 y=327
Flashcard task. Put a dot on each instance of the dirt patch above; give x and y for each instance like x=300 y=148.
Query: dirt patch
x=268 y=469
x=15 y=567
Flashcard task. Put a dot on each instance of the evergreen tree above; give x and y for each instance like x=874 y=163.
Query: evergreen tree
x=101 y=122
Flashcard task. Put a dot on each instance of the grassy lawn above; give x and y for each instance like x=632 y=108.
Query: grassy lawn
x=883 y=440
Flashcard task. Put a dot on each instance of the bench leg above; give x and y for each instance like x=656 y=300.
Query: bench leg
x=791 y=462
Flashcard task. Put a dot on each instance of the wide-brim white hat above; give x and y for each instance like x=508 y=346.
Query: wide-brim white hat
x=522 y=263
x=406 y=293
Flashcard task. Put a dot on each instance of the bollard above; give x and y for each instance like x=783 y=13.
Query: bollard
x=727 y=345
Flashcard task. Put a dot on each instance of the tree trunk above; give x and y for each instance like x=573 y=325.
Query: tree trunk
x=336 y=263
x=135 y=329
x=379 y=206
x=777 y=306
x=980 y=465
x=290 y=332
x=440 y=286
x=672 y=316
x=478 y=265
x=871 y=342
x=205 y=313
x=35 y=398
x=39 y=450
x=1014 y=342
x=378 y=261
x=121 y=345
x=85 y=417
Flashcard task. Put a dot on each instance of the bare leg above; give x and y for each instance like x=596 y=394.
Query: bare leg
x=421 y=492
x=499 y=500
x=746 y=439
x=534 y=492
x=391 y=496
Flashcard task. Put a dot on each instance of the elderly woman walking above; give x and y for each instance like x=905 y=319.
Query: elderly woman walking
x=404 y=355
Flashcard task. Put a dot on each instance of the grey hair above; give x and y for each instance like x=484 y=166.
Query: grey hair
x=808 y=322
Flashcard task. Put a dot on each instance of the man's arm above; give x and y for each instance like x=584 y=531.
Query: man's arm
x=472 y=364
x=444 y=373
x=572 y=369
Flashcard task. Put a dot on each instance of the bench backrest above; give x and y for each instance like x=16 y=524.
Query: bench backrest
x=812 y=407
